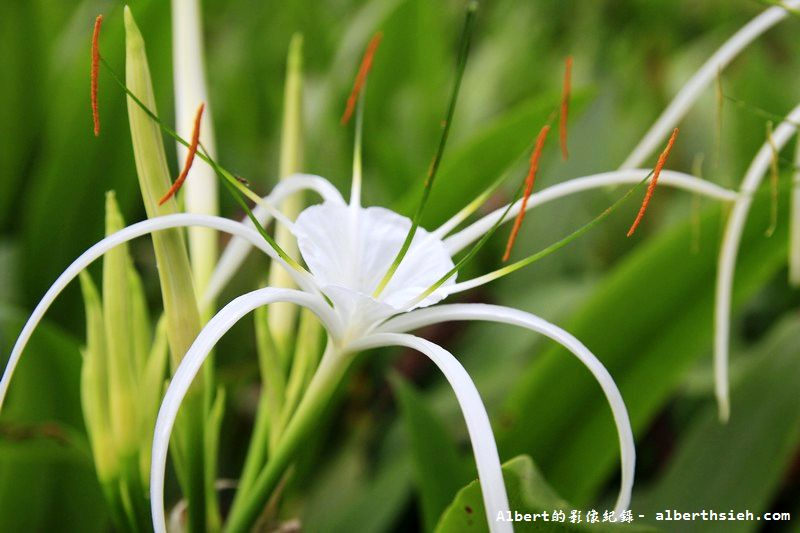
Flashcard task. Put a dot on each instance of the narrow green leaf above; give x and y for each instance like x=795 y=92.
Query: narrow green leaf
x=95 y=385
x=150 y=387
x=117 y=312
x=308 y=350
x=282 y=317
x=213 y=429
x=180 y=304
x=177 y=289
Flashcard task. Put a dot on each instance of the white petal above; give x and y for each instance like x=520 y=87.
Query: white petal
x=730 y=249
x=237 y=249
x=222 y=322
x=358 y=310
x=354 y=252
x=670 y=178
x=126 y=234
x=484 y=448
x=506 y=315
x=703 y=77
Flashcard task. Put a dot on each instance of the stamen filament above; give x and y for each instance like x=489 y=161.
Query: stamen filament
x=361 y=76
x=189 y=157
x=468 y=209
x=355 y=188
x=234 y=191
x=499 y=273
x=773 y=181
x=562 y=123
x=466 y=38
x=529 y=181
x=720 y=95
x=469 y=255
x=95 y=72
x=697 y=170
x=233 y=185
x=662 y=159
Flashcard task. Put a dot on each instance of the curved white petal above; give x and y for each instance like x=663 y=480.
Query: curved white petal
x=506 y=315
x=794 y=223
x=191 y=363
x=671 y=178
x=131 y=232
x=703 y=77
x=484 y=448
x=237 y=249
x=729 y=250
x=353 y=251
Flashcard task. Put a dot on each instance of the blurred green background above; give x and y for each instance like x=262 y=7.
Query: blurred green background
x=643 y=305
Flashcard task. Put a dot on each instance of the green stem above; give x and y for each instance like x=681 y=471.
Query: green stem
x=306 y=357
x=451 y=108
x=257 y=451
x=247 y=507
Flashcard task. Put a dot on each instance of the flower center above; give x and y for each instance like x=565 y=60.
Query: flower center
x=348 y=250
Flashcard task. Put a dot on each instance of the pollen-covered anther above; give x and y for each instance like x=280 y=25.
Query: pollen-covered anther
x=565 y=96
x=361 y=76
x=662 y=159
x=189 y=157
x=529 y=181
x=95 y=71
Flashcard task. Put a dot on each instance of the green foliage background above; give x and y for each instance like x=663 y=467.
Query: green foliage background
x=643 y=305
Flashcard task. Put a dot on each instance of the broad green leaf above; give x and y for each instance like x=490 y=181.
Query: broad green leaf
x=440 y=470
x=739 y=465
x=648 y=322
x=528 y=493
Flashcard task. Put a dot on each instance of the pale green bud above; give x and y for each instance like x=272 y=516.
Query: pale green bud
x=180 y=303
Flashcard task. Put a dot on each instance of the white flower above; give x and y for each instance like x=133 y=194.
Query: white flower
x=347 y=249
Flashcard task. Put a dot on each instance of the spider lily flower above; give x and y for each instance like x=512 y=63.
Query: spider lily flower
x=359 y=321
x=669 y=118
x=348 y=250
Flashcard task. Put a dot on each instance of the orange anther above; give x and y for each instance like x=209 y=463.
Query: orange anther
x=189 y=157
x=652 y=186
x=562 y=123
x=361 y=76
x=95 y=70
x=529 y=180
